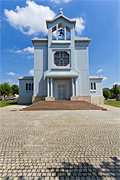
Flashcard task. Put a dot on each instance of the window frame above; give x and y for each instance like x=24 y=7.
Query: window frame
x=61 y=67
x=26 y=86
x=66 y=31
x=93 y=86
x=61 y=58
x=29 y=86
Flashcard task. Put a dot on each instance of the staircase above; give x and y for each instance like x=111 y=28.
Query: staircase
x=62 y=105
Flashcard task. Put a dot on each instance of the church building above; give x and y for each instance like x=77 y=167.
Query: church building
x=61 y=67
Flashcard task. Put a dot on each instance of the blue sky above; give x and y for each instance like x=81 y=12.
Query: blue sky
x=22 y=20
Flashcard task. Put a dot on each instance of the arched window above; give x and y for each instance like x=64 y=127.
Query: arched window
x=61 y=58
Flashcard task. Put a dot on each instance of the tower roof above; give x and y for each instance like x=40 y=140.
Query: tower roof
x=61 y=15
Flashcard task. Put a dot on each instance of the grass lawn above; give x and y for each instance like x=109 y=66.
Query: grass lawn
x=4 y=103
x=112 y=103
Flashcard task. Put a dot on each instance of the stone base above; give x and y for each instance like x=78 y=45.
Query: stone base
x=24 y=100
x=38 y=98
x=81 y=98
x=97 y=100
x=50 y=98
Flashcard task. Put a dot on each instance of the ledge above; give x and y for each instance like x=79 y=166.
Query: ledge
x=61 y=41
x=26 y=78
x=60 y=74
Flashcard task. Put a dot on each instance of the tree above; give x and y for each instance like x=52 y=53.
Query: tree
x=5 y=89
x=106 y=93
x=14 y=89
x=116 y=91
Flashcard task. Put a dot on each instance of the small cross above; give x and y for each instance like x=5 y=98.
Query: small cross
x=61 y=11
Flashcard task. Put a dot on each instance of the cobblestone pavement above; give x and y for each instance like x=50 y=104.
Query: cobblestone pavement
x=59 y=145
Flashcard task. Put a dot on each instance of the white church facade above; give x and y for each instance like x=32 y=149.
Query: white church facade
x=61 y=67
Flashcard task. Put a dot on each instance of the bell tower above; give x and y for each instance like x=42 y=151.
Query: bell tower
x=61 y=34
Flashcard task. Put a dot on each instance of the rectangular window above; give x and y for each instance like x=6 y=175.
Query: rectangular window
x=91 y=85
x=26 y=86
x=94 y=86
x=30 y=87
x=68 y=33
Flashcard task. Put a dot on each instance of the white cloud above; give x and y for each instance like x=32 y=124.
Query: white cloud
x=30 y=19
x=99 y=71
x=10 y=81
x=80 y=25
x=105 y=78
x=31 y=72
x=61 y=1
x=28 y=50
x=118 y=83
x=11 y=73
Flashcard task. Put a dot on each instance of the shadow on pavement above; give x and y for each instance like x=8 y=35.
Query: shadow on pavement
x=86 y=171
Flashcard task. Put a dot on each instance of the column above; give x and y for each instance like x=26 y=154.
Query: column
x=73 y=87
x=51 y=86
x=57 y=31
x=65 y=33
x=48 y=88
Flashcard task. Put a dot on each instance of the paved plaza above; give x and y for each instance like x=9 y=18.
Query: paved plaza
x=59 y=145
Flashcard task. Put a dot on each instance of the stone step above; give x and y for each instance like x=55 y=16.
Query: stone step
x=62 y=105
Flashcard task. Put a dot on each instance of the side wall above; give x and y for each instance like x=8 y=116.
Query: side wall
x=40 y=65
x=97 y=94
x=82 y=67
x=25 y=97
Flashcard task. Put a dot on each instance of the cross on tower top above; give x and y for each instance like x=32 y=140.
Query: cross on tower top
x=61 y=11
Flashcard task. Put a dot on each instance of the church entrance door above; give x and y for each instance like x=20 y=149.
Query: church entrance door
x=62 y=89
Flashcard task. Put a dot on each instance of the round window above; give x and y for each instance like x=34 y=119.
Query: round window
x=61 y=58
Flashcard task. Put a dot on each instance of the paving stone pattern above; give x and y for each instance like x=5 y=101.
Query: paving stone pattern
x=59 y=145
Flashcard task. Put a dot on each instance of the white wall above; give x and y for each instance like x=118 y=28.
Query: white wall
x=98 y=91
x=40 y=65
x=25 y=97
x=82 y=67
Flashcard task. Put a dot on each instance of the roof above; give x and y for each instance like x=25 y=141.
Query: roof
x=26 y=78
x=39 y=40
x=96 y=77
x=61 y=16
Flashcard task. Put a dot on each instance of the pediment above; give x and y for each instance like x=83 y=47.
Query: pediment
x=60 y=19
